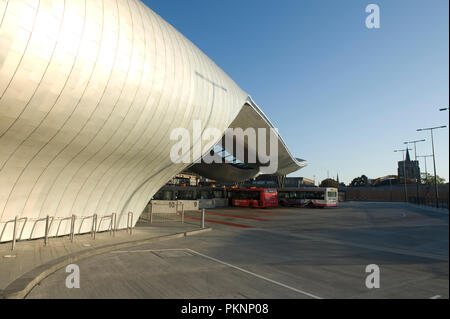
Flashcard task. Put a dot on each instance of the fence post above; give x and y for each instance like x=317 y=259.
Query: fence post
x=72 y=228
x=92 y=226
x=203 y=218
x=46 y=230
x=23 y=227
x=94 y=221
x=115 y=224
x=111 y=225
x=131 y=224
x=14 y=234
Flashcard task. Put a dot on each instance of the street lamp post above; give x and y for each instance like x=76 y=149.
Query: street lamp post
x=415 y=158
x=404 y=170
x=431 y=129
x=425 y=159
x=426 y=170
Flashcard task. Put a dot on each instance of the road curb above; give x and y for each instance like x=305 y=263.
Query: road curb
x=22 y=286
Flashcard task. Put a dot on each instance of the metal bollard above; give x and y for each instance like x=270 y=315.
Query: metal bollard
x=14 y=234
x=182 y=213
x=203 y=218
x=46 y=230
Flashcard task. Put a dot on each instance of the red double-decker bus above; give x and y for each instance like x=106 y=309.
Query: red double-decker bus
x=254 y=197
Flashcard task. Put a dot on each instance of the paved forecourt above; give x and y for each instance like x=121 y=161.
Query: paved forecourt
x=279 y=253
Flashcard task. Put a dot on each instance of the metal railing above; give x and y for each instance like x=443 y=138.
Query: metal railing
x=426 y=201
x=196 y=218
x=50 y=221
x=154 y=217
x=178 y=215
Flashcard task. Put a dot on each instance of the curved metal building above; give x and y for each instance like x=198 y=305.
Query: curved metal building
x=89 y=93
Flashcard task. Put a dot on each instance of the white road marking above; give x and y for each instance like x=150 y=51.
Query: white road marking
x=436 y=297
x=229 y=265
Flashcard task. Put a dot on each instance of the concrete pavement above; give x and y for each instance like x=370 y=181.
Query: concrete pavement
x=282 y=253
x=31 y=260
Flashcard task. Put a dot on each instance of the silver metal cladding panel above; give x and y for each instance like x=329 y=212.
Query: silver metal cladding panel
x=89 y=94
x=90 y=91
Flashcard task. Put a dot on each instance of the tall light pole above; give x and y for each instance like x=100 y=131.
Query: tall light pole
x=415 y=158
x=425 y=159
x=431 y=129
x=404 y=170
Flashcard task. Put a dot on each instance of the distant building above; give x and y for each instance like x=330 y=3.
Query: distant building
x=410 y=168
x=185 y=179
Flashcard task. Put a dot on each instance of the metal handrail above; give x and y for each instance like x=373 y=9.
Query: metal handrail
x=49 y=221
x=176 y=206
x=59 y=225
x=83 y=218
x=11 y=221
x=36 y=221
x=103 y=217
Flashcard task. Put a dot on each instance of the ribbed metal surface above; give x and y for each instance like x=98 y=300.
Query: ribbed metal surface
x=89 y=93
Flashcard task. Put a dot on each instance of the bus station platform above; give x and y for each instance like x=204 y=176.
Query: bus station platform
x=32 y=261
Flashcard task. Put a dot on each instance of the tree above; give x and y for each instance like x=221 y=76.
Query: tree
x=428 y=179
x=329 y=182
x=360 y=181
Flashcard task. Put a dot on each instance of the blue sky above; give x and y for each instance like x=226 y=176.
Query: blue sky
x=342 y=96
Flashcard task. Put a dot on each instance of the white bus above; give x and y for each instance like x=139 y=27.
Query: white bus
x=308 y=197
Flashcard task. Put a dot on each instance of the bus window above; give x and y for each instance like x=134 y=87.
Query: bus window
x=165 y=195
x=319 y=195
x=218 y=194
x=206 y=194
x=253 y=195
x=186 y=195
x=283 y=195
x=332 y=194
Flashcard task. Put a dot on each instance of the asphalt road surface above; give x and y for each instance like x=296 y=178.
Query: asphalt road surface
x=279 y=253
